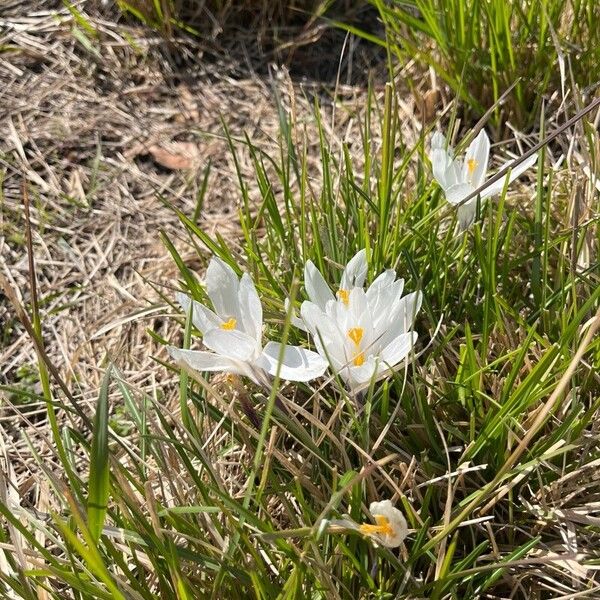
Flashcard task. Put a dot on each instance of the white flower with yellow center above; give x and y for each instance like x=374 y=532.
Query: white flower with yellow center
x=233 y=331
x=319 y=292
x=361 y=333
x=460 y=178
x=390 y=527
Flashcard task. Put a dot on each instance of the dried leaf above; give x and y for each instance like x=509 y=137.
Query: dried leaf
x=176 y=155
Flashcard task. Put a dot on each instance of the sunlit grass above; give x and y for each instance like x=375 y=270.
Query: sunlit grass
x=479 y=48
x=487 y=440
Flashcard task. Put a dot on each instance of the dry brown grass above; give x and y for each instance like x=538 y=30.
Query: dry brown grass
x=100 y=136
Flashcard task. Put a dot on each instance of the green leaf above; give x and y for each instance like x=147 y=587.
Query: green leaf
x=99 y=468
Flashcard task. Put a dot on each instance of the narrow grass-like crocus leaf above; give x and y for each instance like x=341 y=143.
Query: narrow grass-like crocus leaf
x=99 y=467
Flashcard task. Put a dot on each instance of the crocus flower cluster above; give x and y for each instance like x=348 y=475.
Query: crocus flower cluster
x=359 y=333
x=459 y=178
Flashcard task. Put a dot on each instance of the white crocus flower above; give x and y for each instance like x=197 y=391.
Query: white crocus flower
x=233 y=331
x=354 y=275
x=361 y=333
x=460 y=178
x=319 y=292
x=390 y=529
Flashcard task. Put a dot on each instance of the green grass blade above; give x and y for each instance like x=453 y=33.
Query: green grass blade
x=99 y=485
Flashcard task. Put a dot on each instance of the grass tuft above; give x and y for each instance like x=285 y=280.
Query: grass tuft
x=487 y=441
x=480 y=48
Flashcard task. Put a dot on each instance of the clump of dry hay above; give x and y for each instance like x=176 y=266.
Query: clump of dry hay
x=100 y=134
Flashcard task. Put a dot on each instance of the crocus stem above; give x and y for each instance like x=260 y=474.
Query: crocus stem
x=236 y=385
x=359 y=399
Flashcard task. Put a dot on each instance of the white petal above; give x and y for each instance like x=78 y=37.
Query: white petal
x=409 y=307
x=328 y=339
x=453 y=173
x=466 y=214
x=457 y=193
x=294 y=319
x=311 y=315
x=316 y=287
x=203 y=318
x=381 y=305
x=355 y=272
x=400 y=318
x=250 y=308
x=298 y=364
x=358 y=376
x=441 y=164
x=184 y=301
x=222 y=287
x=498 y=186
x=207 y=361
x=381 y=282
x=232 y=343
x=446 y=169
x=521 y=168
x=396 y=521
x=479 y=151
x=396 y=350
x=438 y=141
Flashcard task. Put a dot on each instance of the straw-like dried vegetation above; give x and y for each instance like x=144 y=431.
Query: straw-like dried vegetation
x=108 y=126
x=102 y=128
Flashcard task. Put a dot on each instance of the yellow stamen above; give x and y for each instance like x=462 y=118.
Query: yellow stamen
x=383 y=526
x=356 y=334
x=359 y=359
x=230 y=324
x=344 y=296
x=471 y=165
